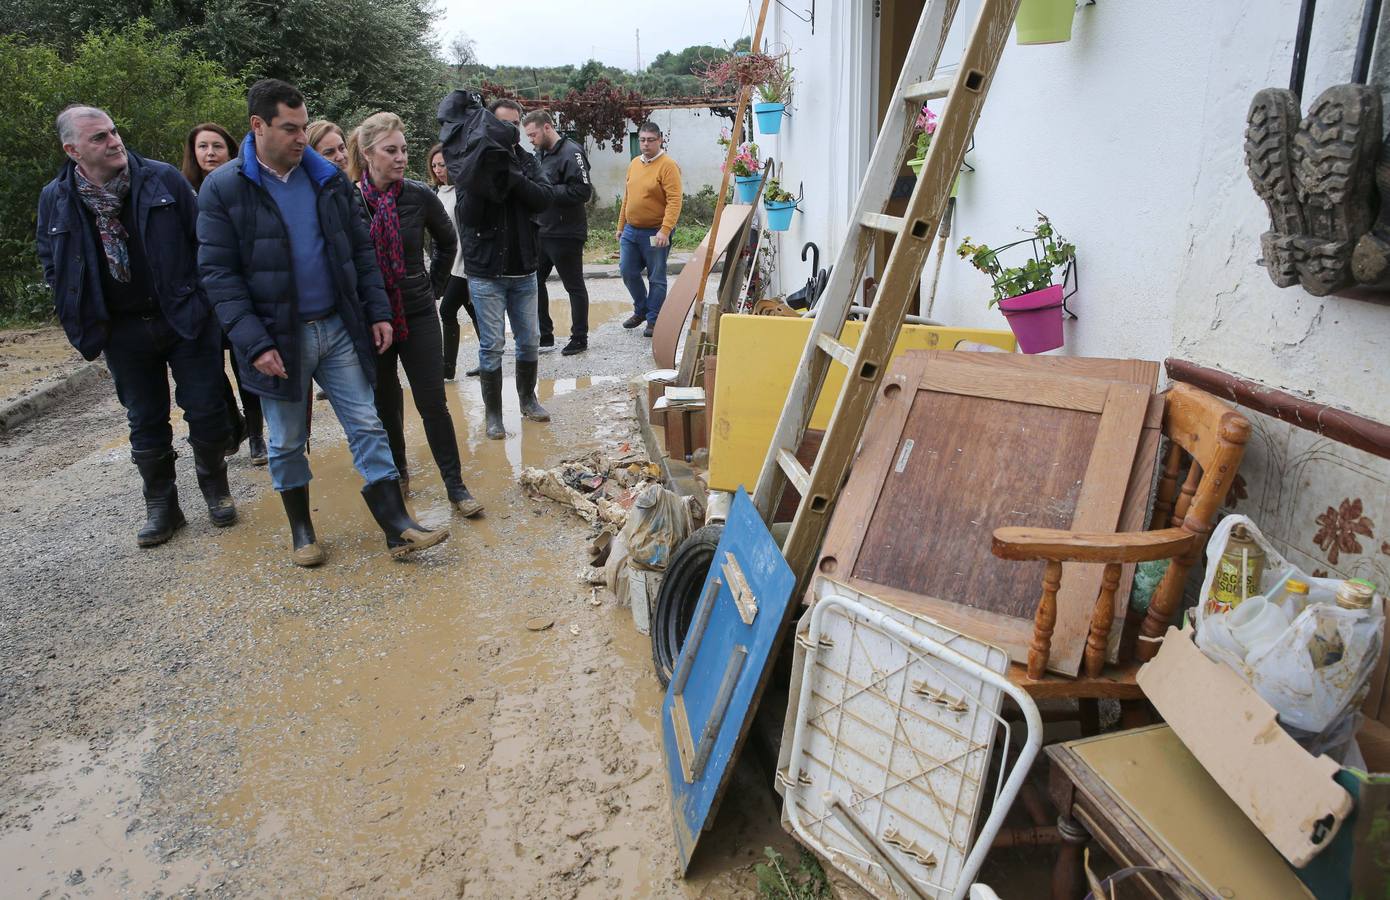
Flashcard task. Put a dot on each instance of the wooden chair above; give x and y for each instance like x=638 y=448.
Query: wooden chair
x=1207 y=436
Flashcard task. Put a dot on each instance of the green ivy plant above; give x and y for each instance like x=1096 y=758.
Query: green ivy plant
x=1034 y=275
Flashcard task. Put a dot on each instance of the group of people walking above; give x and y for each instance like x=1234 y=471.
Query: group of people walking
x=303 y=251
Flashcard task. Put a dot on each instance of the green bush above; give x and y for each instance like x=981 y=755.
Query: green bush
x=154 y=91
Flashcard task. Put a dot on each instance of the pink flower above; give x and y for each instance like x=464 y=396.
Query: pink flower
x=926 y=121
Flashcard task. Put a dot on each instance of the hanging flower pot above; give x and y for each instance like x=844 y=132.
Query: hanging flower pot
x=746 y=187
x=1035 y=318
x=769 y=117
x=780 y=204
x=1045 y=21
x=1031 y=303
x=779 y=214
x=916 y=166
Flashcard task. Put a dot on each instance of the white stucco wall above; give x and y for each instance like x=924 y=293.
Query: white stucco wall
x=692 y=139
x=1130 y=138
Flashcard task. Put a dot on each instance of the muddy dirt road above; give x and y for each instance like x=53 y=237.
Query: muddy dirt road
x=205 y=717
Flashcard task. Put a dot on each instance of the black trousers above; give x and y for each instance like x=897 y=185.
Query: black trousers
x=565 y=255
x=455 y=298
x=250 y=403
x=141 y=352
x=422 y=356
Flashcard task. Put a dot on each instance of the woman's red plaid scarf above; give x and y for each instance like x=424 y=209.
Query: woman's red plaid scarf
x=390 y=253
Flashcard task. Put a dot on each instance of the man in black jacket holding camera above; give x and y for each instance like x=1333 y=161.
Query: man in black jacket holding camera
x=499 y=187
x=564 y=227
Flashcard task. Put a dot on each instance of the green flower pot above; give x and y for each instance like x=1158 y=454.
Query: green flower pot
x=916 y=166
x=1045 y=21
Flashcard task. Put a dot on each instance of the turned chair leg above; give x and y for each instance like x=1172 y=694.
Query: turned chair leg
x=1068 y=875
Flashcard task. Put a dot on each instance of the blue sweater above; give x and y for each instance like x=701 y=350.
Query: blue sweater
x=313 y=280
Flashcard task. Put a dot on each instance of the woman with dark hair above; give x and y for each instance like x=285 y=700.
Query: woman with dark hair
x=456 y=291
x=208 y=146
x=401 y=213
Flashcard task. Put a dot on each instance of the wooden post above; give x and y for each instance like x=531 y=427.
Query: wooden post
x=735 y=138
x=1044 y=621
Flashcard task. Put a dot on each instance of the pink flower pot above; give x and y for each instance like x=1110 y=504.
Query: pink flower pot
x=1036 y=319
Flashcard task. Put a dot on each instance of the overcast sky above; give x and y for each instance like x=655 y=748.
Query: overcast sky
x=555 y=32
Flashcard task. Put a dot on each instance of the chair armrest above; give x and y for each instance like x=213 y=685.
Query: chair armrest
x=1101 y=547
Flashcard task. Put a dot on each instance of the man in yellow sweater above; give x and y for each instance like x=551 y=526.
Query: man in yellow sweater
x=646 y=220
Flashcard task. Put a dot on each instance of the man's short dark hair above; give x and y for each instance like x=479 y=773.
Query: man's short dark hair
x=266 y=95
x=506 y=102
x=649 y=128
x=538 y=117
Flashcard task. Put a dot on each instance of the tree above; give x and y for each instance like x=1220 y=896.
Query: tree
x=462 y=52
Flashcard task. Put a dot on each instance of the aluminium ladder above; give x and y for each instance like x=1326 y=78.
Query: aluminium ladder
x=913 y=232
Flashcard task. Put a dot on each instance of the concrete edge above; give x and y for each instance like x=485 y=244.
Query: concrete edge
x=17 y=412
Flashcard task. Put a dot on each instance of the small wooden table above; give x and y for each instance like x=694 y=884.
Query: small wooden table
x=1144 y=798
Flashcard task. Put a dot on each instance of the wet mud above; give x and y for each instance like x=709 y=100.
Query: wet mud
x=208 y=718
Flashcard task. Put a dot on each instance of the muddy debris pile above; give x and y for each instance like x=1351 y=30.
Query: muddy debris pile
x=600 y=487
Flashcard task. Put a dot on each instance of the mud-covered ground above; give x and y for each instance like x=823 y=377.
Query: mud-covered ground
x=205 y=717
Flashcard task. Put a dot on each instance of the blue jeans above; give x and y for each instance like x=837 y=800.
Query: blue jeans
x=141 y=352
x=326 y=355
x=515 y=297
x=636 y=253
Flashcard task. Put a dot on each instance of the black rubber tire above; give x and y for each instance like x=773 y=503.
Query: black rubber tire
x=680 y=594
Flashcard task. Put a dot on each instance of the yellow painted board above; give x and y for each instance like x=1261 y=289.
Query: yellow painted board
x=758 y=356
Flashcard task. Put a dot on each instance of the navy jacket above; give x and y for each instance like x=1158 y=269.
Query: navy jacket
x=244 y=259
x=166 y=211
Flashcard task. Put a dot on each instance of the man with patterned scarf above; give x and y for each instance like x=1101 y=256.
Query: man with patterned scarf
x=118 y=243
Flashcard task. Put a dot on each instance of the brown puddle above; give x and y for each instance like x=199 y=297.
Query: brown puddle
x=85 y=835
x=417 y=738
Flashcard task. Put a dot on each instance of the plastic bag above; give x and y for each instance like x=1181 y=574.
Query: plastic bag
x=658 y=522
x=1317 y=704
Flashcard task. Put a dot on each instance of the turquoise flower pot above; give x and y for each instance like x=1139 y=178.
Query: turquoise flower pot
x=769 y=117
x=746 y=187
x=779 y=214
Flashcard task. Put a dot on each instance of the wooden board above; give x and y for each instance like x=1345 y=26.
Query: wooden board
x=1290 y=796
x=718 y=678
x=680 y=297
x=758 y=356
x=955 y=448
x=1165 y=790
x=1134 y=515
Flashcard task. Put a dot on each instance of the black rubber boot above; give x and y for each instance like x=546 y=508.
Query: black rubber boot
x=492 y=403
x=255 y=447
x=403 y=534
x=526 y=392
x=211 y=467
x=307 y=551
x=460 y=498
x=451 y=347
x=162 y=513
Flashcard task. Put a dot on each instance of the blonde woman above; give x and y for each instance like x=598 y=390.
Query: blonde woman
x=328 y=141
x=456 y=291
x=402 y=212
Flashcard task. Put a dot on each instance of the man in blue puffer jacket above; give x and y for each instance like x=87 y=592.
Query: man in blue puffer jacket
x=292 y=274
x=117 y=242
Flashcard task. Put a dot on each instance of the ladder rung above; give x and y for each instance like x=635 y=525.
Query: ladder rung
x=797 y=475
x=920 y=92
x=835 y=350
x=890 y=224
